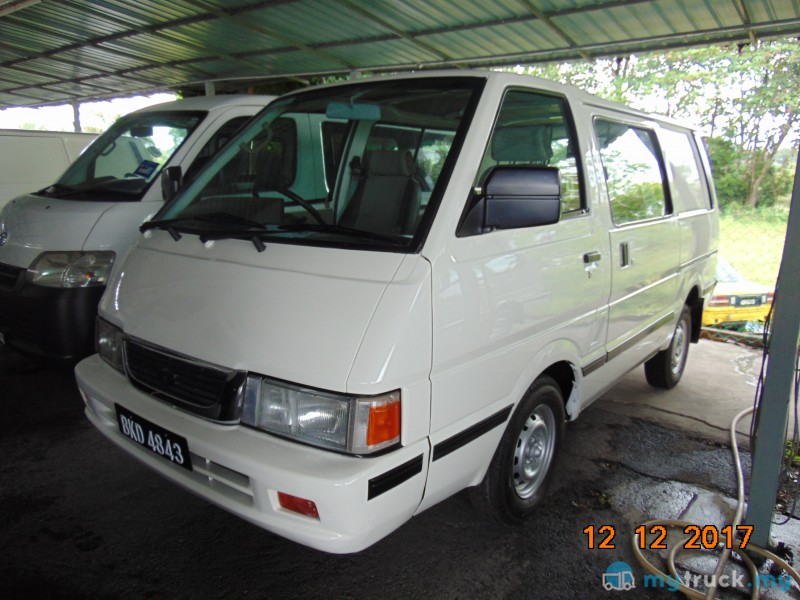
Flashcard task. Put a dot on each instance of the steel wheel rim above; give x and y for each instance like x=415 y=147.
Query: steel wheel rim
x=679 y=346
x=534 y=451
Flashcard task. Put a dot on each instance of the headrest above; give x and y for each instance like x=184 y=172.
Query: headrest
x=390 y=162
x=528 y=145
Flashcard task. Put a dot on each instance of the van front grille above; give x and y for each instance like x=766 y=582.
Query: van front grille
x=209 y=391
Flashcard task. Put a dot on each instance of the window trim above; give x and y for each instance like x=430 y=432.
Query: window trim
x=584 y=209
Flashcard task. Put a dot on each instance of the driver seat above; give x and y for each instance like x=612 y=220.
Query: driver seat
x=387 y=199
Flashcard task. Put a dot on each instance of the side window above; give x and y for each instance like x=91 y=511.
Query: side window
x=633 y=172
x=221 y=137
x=535 y=129
x=688 y=187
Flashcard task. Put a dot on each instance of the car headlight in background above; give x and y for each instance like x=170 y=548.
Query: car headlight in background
x=108 y=343
x=347 y=423
x=71 y=269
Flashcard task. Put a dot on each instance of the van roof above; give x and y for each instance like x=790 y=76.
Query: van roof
x=510 y=78
x=210 y=102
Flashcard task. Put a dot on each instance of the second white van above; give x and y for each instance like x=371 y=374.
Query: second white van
x=58 y=244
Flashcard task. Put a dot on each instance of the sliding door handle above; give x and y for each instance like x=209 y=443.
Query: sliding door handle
x=591 y=257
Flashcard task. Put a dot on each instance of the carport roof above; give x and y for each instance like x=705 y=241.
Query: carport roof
x=56 y=51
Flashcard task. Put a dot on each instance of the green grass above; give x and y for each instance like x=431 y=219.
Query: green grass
x=752 y=241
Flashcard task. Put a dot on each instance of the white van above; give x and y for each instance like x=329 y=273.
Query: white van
x=57 y=245
x=485 y=254
x=33 y=159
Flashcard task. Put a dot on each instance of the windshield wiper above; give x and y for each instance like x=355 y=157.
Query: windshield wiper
x=59 y=190
x=233 y=226
x=341 y=230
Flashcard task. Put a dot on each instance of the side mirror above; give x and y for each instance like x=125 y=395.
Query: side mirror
x=170 y=182
x=512 y=198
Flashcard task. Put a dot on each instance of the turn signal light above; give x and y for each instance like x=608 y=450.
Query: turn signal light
x=298 y=505
x=384 y=422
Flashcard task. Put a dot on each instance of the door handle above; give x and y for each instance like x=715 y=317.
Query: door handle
x=625 y=259
x=591 y=257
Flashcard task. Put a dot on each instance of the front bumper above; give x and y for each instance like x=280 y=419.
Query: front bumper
x=53 y=323
x=242 y=470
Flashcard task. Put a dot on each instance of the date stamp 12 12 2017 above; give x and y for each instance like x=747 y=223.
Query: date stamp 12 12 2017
x=700 y=537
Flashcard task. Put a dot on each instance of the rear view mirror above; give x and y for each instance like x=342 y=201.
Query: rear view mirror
x=353 y=112
x=170 y=182
x=141 y=131
x=512 y=198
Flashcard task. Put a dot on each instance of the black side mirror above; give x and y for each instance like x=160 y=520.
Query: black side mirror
x=512 y=198
x=170 y=182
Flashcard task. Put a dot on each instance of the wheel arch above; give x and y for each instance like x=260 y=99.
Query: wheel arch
x=564 y=374
x=695 y=303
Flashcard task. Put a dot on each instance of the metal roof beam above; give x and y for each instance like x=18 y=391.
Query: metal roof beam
x=396 y=31
x=541 y=16
x=233 y=16
x=744 y=15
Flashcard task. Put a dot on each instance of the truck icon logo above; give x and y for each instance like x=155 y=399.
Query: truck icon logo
x=619 y=576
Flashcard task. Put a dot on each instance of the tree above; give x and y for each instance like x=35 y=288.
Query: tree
x=743 y=94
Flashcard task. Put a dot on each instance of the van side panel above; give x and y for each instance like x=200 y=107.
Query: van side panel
x=35 y=159
x=506 y=305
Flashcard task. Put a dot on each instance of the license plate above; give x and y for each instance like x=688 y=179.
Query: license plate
x=156 y=439
x=748 y=302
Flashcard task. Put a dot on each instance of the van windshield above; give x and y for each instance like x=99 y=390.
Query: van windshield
x=122 y=163
x=355 y=165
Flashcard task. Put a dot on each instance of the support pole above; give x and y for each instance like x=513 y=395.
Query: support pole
x=773 y=412
x=76 y=115
x=211 y=90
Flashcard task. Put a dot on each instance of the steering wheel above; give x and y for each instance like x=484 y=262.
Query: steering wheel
x=304 y=203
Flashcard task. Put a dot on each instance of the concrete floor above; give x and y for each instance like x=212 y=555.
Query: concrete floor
x=81 y=519
x=719 y=382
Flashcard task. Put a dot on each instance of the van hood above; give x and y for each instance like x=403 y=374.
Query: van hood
x=304 y=309
x=34 y=224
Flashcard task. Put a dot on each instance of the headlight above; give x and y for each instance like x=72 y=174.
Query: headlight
x=354 y=424
x=71 y=269
x=108 y=343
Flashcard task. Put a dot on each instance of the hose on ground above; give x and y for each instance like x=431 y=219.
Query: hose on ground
x=726 y=553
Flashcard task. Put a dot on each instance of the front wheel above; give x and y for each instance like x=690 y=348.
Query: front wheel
x=522 y=467
x=665 y=369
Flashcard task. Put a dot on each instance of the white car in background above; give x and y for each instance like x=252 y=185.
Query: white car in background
x=58 y=244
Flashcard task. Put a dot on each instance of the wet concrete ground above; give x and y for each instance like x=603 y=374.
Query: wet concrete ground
x=81 y=519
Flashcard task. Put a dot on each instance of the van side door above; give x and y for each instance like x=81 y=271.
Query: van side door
x=645 y=241
x=509 y=303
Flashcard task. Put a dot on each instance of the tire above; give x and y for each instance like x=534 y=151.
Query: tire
x=522 y=467
x=665 y=369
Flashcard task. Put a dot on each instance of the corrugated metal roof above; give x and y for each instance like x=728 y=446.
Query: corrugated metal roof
x=52 y=51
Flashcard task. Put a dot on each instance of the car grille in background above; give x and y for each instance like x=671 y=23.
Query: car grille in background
x=9 y=275
x=211 y=392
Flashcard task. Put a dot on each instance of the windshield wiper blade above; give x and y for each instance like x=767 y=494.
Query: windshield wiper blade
x=227 y=220
x=341 y=230
x=59 y=190
x=234 y=227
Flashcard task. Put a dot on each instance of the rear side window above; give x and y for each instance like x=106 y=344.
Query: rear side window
x=633 y=171
x=688 y=187
x=535 y=130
